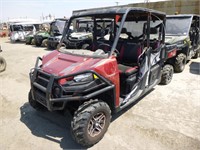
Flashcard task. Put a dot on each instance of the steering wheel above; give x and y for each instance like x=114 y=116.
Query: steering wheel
x=105 y=47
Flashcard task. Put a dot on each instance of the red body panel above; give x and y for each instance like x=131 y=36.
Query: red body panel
x=61 y=64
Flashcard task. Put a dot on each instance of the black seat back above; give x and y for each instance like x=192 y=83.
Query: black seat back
x=129 y=53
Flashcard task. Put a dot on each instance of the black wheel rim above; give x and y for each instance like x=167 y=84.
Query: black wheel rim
x=96 y=124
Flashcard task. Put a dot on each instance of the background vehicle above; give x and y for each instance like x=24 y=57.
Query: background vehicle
x=2 y=63
x=183 y=30
x=19 y=31
x=81 y=34
x=54 y=39
x=30 y=36
x=170 y=50
x=107 y=77
x=55 y=29
x=168 y=69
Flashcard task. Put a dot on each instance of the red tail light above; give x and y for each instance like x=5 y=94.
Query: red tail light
x=172 y=53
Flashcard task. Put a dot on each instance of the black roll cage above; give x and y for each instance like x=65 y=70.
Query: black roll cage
x=124 y=11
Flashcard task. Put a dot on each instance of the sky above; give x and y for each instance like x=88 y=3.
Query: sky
x=34 y=9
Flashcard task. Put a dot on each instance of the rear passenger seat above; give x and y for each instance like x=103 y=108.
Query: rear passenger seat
x=128 y=59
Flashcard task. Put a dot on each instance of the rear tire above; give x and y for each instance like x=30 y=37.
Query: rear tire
x=2 y=64
x=196 y=55
x=34 y=103
x=180 y=62
x=37 y=44
x=85 y=46
x=167 y=74
x=90 y=122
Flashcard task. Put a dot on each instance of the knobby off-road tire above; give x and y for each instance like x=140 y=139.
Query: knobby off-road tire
x=2 y=64
x=33 y=42
x=180 y=62
x=34 y=103
x=167 y=74
x=196 y=55
x=90 y=122
x=38 y=44
x=85 y=46
x=44 y=43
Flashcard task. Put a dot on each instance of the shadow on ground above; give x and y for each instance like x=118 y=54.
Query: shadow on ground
x=115 y=116
x=49 y=125
x=54 y=126
x=195 y=68
x=16 y=42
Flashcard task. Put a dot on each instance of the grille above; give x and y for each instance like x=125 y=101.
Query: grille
x=40 y=96
x=50 y=38
x=43 y=80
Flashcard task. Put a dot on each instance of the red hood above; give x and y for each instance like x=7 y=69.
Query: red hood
x=63 y=64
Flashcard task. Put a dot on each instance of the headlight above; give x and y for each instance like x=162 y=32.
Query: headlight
x=84 y=77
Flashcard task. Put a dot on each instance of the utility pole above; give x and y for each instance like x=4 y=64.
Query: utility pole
x=117 y=3
x=147 y=3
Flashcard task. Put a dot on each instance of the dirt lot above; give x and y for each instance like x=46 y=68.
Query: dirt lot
x=168 y=118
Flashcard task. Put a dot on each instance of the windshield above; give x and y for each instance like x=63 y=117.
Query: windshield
x=28 y=27
x=178 y=25
x=87 y=34
x=57 y=27
x=21 y=27
x=16 y=27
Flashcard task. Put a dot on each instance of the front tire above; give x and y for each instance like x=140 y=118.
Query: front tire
x=44 y=43
x=180 y=62
x=2 y=64
x=167 y=74
x=90 y=122
x=34 y=103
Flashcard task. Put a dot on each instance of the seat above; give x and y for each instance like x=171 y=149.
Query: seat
x=126 y=70
x=128 y=58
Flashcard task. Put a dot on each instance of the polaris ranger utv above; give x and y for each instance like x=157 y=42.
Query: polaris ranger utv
x=183 y=30
x=105 y=78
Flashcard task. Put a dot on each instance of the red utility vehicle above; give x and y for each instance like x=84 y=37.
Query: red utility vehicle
x=114 y=71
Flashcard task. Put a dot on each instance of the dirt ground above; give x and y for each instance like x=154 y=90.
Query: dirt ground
x=168 y=118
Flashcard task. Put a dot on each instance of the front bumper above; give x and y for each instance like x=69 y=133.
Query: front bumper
x=52 y=44
x=43 y=87
x=74 y=43
x=38 y=40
